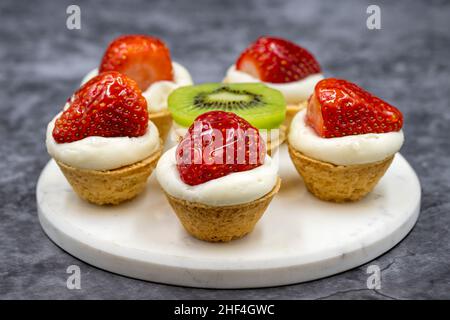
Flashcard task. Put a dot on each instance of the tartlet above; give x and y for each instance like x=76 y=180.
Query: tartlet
x=345 y=141
x=219 y=183
x=282 y=65
x=103 y=141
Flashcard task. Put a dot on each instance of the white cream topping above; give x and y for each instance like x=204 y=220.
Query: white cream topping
x=294 y=92
x=347 y=150
x=100 y=153
x=235 y=188
x=157 y=94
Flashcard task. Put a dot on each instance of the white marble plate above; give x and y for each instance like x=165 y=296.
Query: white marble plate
x=299 y=238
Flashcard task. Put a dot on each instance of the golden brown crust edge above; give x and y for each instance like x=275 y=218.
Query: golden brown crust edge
x=163 y=121
x=338 y=183
x=110 y=186
x=220 y=224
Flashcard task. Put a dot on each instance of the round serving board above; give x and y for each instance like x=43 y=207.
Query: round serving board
x=299 y=238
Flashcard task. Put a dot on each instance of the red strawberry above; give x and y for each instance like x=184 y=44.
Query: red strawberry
x=277 y=60
x=109 y=105
x=217 y=144
x=340 y=108
x=142 y=58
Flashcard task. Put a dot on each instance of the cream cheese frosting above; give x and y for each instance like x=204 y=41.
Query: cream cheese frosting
x=347 y=150
x=157 y=93
x=103 y=153
x=294 y=92
x=235 y=188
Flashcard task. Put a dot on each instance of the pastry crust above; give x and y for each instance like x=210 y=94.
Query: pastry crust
x=163 y=121
x=110 y=186
x=220 y=223
x=338 y=183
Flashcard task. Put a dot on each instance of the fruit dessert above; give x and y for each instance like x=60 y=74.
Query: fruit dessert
x=282 y=65
x=345 y=141
x=103 y=140
x=219 y=180
x=263 y=107
x=146 y=60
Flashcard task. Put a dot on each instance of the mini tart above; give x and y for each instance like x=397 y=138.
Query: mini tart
x=105 y=187
x=338 y=183
x=103 y=141
x=350 y=156
x=220 y=223
x=282 y=65
x=218 y=201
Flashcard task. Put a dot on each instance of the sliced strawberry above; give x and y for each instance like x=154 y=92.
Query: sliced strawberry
x=340 y=108
x=277 y=60
x=142 y=58
x=217 y=144
x=109 y=105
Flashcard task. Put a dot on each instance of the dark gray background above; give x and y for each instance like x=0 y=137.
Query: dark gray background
x=406 y=63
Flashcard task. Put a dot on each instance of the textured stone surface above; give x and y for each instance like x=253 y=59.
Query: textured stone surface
x=406 y=63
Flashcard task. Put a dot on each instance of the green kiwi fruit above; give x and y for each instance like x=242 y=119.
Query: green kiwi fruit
x=263 y=107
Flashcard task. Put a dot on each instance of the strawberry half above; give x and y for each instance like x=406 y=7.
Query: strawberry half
x=217 y=144
x=340 y=108
x=142 y=58
x=109 y=105
x=277 y=60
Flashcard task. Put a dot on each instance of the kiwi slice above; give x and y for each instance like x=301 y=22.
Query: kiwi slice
x=263 y=107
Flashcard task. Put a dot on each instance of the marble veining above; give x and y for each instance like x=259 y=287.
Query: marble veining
x=294 y=235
